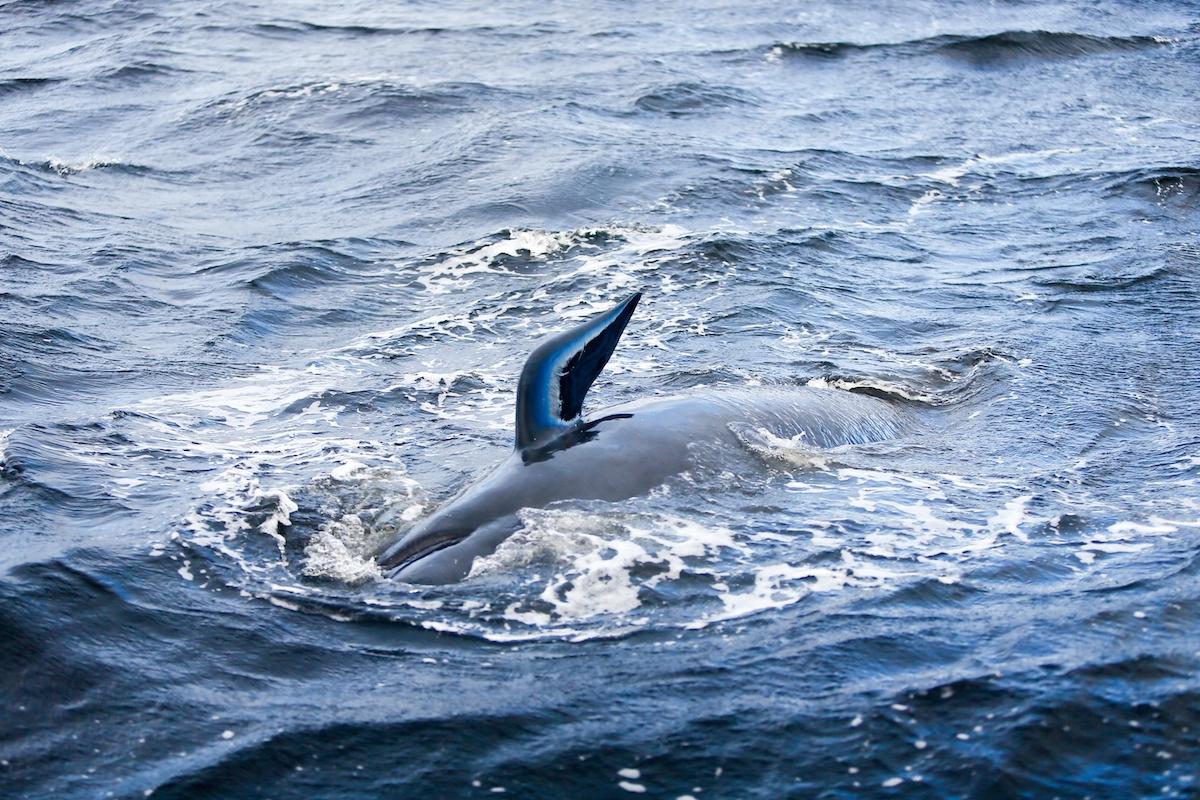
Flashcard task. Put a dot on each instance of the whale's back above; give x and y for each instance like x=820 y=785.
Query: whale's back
x=817 y=416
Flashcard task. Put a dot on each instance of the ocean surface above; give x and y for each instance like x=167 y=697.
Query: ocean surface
x=268 y=274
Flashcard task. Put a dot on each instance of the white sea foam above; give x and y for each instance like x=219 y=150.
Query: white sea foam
x=73 y=166
x=930 y=196
x=224 y=515
x=489 y=406
x=1031 y=162
x=775 y=586
x=245 y=449
x=615 y=251
x=342 y=550
x=449 y=273
x=316 y=88
x=248 y=400
x=344 y=546
x=1128 y=536
x=592 y=560
x=795 y=451
x=281 y=515
x=1010 y=518
x=237 y=492
x=346 y=471
x=599 y=567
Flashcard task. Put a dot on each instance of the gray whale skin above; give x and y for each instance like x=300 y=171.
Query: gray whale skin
x=620 y=452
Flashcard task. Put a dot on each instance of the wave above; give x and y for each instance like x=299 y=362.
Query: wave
x=1092 y=279
x=692 y=98
x=291 y=272
x=16 y=85
x=951 y=379
x=282 y=282
x=288 y=27
x=58 y=463
x=1043 y=44
x=525 y=251
x=65 y=167
x=878 y=179
x=1162 y=185
x=1040 y=173
x=294 y=27
x=980 y=50
x=357 y=98
x=138 y=73
x=291 y=28
x=19 y=178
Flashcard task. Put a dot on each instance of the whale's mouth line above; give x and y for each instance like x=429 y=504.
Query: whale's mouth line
x=402 y=559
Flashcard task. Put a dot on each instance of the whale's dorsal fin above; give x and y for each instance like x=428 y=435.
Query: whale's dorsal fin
x=561 y=370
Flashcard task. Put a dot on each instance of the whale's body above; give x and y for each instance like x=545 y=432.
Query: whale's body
x=621 y=452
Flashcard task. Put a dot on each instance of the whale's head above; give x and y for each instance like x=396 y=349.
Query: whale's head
x=441 y=547
x=438 y=531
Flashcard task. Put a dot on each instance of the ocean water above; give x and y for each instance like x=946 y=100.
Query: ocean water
x=270 y=270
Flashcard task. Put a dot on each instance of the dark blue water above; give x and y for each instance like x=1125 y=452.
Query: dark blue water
x=269 y=270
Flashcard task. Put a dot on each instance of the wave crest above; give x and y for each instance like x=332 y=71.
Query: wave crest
x=978 y=49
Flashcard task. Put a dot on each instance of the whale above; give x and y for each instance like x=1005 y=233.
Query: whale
x=618 y=452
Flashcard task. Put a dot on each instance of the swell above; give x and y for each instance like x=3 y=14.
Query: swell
x=11 y=86
x=266 y=760
x=980 y=50
x=66 y=168
x=1170 y=188
x=51 y=366
x=961 y=379
x=61 y=464
x=1043 y=44
x=818 y=173
x=692 y=97
x=138 y=73
x=371 y=99
x=902 y=180
x=290 y=28
x=1163 y=185
x=15 y=168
